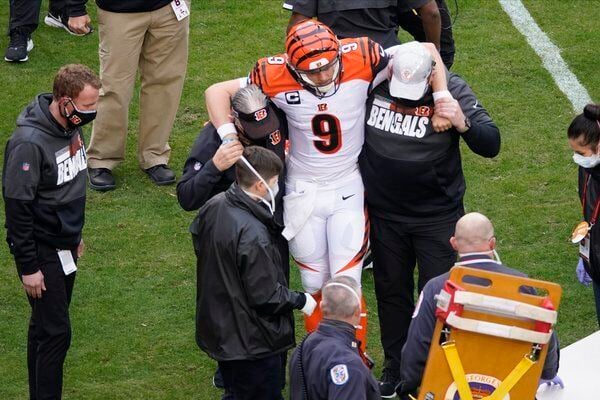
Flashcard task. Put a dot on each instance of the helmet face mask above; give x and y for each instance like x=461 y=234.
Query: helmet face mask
x=312 y=78
x=313 y=55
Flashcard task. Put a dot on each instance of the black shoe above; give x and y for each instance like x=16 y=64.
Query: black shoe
x=101 y=179
x=18 y=47
x=161 y=174
x=388 y=382
x=56 y=19
x=217 y=380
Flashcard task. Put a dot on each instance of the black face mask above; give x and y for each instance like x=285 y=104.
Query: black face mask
x=78 y=118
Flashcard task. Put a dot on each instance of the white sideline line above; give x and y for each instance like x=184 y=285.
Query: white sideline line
x=550 y=54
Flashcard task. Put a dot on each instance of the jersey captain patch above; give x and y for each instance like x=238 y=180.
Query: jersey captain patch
x=339 y=374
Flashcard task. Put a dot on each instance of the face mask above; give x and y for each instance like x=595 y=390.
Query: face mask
x=78 y=118
x=272 y=191
x=586 y=162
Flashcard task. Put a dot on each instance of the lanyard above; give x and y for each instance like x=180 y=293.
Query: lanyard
x=583 y=201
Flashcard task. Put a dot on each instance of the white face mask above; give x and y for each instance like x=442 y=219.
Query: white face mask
x=272 y=191
x=586 y=162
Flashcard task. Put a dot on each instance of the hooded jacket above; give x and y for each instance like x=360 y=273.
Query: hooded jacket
x=43 y=185
x=243 y=306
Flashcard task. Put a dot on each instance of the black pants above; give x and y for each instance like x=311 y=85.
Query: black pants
x=25 y=14
x=396 y=247
x=413 y=24
x=254 y=379
x=49 y=335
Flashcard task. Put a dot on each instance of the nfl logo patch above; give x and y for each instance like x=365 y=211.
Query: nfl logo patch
x=25 y=166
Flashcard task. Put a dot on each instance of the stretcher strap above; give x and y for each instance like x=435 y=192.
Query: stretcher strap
x=505 y=306
x=512 y=379
x=498 y=330
x=456 y=368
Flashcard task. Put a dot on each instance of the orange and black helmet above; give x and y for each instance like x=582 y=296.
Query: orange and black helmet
x=311 y=45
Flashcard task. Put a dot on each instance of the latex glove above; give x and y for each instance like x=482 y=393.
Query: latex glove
x=310 y=305
x=582 y=275
x=551 y=382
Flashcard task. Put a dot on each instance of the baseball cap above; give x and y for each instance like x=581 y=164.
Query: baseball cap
x=258 y=124
x=411 y=67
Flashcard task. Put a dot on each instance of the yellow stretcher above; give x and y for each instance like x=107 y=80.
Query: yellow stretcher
x=490 y=339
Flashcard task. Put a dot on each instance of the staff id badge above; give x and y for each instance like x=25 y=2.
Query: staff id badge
x=67 y=262
x=584 y=248
x=180 y=9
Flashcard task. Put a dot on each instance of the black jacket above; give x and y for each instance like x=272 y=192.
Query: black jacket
x=592 y=176
x=327 y=366
x=243 y=305
x=43 y=185
x=418 y=341
x=411 y=173
x=131 y=6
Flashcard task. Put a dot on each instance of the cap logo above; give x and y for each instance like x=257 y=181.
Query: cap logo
x=406 y=74
x=260 y=115
x=318 y=63
x=275 y=137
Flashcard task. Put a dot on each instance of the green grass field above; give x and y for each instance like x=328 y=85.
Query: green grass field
x=133 y=304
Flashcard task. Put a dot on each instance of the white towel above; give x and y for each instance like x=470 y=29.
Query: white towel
x=297 y=207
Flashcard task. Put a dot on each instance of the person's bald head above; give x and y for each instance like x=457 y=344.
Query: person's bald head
x=474 y=233
x=341 y=300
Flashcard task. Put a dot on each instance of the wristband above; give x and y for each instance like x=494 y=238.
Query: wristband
x=226 y=129
x=442 y=94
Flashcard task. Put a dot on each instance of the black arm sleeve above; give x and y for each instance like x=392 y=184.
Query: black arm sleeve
x=201 y=179
x=20 y=180
x=484 y=136
x=258 y=271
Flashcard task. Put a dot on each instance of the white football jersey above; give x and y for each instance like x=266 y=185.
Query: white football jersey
x=326 y=134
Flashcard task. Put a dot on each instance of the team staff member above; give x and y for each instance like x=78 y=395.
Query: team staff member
x=429 y=21
x=243 y=305
x=327 y=365
x=43 y=186
x=415 y=186
x=475 y=243
x=209 y=169
x=375 y=19
x=149 y=37
x=584 y=139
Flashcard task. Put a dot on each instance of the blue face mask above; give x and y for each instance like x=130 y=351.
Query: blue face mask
x=586 y=162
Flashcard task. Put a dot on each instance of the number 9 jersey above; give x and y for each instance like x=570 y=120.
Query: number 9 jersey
x=326 y=133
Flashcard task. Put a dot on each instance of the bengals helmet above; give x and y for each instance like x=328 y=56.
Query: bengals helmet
x=312 y=48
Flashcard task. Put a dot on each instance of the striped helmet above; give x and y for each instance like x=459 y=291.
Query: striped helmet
x=312 y=47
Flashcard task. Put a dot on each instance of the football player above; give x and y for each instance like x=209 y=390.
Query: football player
x=321 y=83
